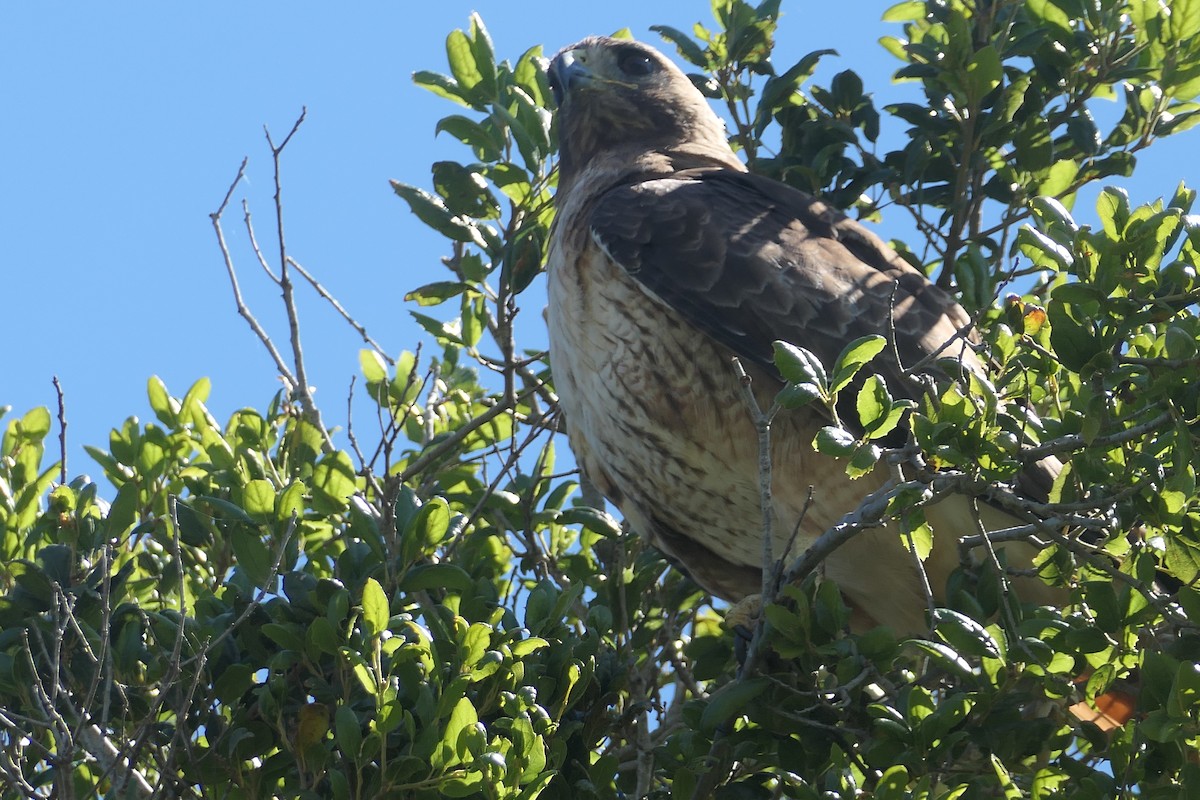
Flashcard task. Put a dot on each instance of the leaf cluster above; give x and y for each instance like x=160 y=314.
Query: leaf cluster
x=444 y=608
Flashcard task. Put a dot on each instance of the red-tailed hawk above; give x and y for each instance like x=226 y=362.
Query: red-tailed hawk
x=667 y=259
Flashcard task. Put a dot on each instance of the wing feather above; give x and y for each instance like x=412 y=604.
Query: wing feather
x=748 y=260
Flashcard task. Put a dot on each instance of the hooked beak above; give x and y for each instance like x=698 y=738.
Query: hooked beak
x=566 y=72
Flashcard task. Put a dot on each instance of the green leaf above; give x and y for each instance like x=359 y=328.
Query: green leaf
x=1059 y=178
x=372 y=365
x=431 y=294
x=286 y=636
x=1051 y=12
x=1118 y=163
x=908 y=11
x=897 y=47
x=362 y=670
x=123 y=511
x=475 y=643
x=730 y=701
x=438 y=576
x=530 y=76
x=484 y=55
x=347 y=732
x=258 y=499
x=853 y=358
x=873 y=403
x=472 y=319
x=1034 y=145
x=431 y=523
x=946 y=658
x=593 y=519
x=446 y=87
x=483 y=141
x=918 y=535
x=233 y=681
x=464 y=190
x=321 y=638
x=164 y=406
x=863 y=461
x=1011 y=790
x=333 y=480
x=461 y=57
x=1052 y=212
x=1040 y=248
x=375 y=609
x=966 y=635
x=35 y=424
x=450 y=751
x=893 y=785
x=1184 y=700
x=798 y=395
x=1112 y=206
x=983 y=73
x=526 y=646
x=1076 y=341
x=1184 y=19
x=688 y=48
x=431 y=210
x=800 y=366
x=290 y=502
x=1083 y=132
x=252 y=555
x=834 y=441
x=192 y=405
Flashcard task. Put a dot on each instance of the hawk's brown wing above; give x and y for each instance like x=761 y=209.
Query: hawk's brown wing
x=748 y=260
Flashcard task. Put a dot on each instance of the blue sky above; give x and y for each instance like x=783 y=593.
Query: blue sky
x=124 y=124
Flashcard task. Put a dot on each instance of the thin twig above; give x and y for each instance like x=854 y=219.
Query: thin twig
x=302 y=390
x=242 y=309
x=248 y=221
x=362 y=331
x=994 y=560
x=1101 y=561
x=367 y=472
x=62 y=431
x=432 y=454
x=707 y=781
x=919 y=567
x=762 y=426
x=1076 y=441
x=869 y=514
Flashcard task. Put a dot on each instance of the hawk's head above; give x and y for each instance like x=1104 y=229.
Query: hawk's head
x=618 y=97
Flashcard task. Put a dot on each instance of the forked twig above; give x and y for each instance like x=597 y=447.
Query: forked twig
x=295 y=375
x=243 y=310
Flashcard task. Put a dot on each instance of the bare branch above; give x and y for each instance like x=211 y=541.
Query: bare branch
x=869 y=514
x=302 y=391
x=762 y=425
x=362 y=331
x=1076 y=441
x=62 y=431
x=126 y=780
x=242 y=309
x=919 y=568
x=248 y=221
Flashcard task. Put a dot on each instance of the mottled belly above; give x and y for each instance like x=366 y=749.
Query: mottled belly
x=655 y=417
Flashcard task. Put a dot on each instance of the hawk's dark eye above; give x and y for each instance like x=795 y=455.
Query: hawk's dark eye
x=635 y=62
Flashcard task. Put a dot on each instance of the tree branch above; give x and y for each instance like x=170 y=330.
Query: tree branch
x=242 y=309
